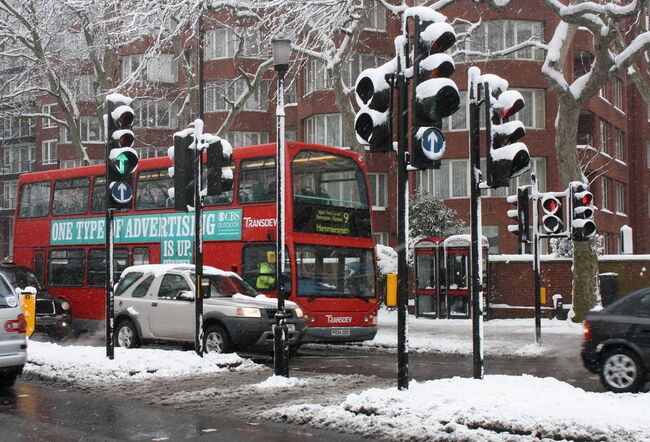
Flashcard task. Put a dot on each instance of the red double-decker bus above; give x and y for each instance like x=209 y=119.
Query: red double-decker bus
x=59 y=232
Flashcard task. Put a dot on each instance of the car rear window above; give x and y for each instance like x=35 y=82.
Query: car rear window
x=7 y=296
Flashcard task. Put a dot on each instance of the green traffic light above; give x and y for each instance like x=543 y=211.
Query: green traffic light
x=121 y=162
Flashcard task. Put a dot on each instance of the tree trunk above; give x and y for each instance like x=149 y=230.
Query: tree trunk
x=585 y=258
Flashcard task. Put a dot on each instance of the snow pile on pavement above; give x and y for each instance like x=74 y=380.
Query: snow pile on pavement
x=89 y=365
x=281 y=382
x=495 y=408
x=503 y=337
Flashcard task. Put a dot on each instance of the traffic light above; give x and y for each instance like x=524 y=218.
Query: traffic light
x=519 y=213
x=182 y=153
x=372 y=123
x=435 y=98
x=220 y=178
x=552 y=218
x=583 y=227
x=121 y=158
x=507 y=157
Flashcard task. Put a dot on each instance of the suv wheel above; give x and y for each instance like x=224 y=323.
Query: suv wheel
x=621 y=371
x=126 y=335
x=216 y=340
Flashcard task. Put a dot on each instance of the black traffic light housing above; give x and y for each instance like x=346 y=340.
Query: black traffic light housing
x=373 y=121
x=520 y=213
x=507 y=157
x=434 y=98
x=583 y=227
x=184 y=171
x=121 y=158
x=220 y=177
x=552 y=218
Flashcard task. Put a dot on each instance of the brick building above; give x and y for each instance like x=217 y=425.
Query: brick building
x=617 y=120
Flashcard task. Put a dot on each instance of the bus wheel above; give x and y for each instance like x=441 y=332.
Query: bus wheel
x=126 y=335
x=216 y=340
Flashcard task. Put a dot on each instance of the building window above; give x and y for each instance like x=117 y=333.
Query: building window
x=378 y=190
x=151 y=113
x=458 y=121
x=162 y=68
x=497 y=35
x=48 y=122
x=376 y=15
x=225 y=42
x=605 y=131
x=620 y=146
x=618 y=94
x=381 y=238
x=49 y=152
x=9 y=195
x=315 y=77
x=620 y=198
x=69 y=164
x=90 y=130
x=151 y=151
x=357 y=64
x=221 y=95
x=130 y=65
x=18 y=127
x=325 y=129
x=290 y=96
x=18 y=159
x=604 y=193
x=647 y=154
x=243 y=138
x=533 y=115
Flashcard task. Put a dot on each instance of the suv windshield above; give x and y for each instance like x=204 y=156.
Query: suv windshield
x=222 y=286
x=19 y=277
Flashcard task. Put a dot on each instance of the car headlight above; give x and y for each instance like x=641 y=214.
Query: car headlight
x=248 y=312
x=65 y=305
x=299 y=313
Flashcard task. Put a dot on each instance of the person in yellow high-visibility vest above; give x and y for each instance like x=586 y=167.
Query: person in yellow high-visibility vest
x=266 y=278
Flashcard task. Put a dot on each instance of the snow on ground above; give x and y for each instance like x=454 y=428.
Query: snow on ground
x=88 y=365
x=504 y=337
x=497 y=408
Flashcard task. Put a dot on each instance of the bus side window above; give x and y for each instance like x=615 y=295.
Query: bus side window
x=257 y=180
x=97 y=265
x=152 y=190
x=70 y=197
x=66 y=267
x=34 y=200
x=99 y=195
x=140 y=256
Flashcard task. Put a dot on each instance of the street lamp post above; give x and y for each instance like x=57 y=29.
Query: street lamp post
x=281 y=50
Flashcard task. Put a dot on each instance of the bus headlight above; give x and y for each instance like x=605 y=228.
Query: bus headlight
x=299 y=313
x=248 y=312
x=65 y=305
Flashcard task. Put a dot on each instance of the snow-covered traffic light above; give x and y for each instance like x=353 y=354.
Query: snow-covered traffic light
x=507 y=157
x=183 y=172
x=372 y=124
x=220 y=177
x=122 y=159
x=583 y=227
x=519 y=213
x=436 y=95
x=552 y=218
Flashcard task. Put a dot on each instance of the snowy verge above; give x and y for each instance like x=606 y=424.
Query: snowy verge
x=497 y=408
x=86 y=365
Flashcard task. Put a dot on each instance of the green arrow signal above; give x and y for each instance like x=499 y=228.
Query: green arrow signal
x=121 y=162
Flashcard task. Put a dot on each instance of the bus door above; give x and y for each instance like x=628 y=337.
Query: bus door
x=429 y=275
x=38 y=264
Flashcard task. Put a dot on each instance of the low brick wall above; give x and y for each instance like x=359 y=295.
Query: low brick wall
x=511 y=281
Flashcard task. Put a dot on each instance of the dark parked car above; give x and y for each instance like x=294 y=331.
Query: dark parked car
x=53 y=315
x=617 y=342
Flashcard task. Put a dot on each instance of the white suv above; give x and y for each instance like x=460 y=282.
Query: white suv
x=13 y=345
x=156 y=303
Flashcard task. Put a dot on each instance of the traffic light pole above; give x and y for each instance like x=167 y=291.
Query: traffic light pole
x=110 y=300
x=475 y=202
x=198 y=242
x=536 y=264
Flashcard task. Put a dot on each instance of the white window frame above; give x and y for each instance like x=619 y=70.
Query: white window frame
x=153 y=107
x=85 y=125
x=9 y=193
x=604 y=193
x=162 y=68
x=219 y=93
x=224 y=42
x=378 y=190
x=381 y=238
x=620 y=198
x=315 y=76
x=618 y=94
x=376 y=16
x=128 y=67
x=481 y=37
x=313 y=126
x=246 y=138
x=49 y=152
x=47 y=123
x=620 y=145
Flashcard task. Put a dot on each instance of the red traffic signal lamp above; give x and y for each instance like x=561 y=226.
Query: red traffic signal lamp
x=583 y=227
x=552 y=218
x=121 y=158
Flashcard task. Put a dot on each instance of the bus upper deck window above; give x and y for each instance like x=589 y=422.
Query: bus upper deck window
x=34 y=200
x=257 y=181
x=70 y=197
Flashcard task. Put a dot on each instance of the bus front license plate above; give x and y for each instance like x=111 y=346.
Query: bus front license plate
x=290 y=327
x=341 y=332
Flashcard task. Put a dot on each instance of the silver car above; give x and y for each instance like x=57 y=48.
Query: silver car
x=156 y=303
x=13 y=345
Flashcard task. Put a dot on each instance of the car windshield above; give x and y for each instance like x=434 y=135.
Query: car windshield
x=224 y=286
x=7 y=297
x=22 y=278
